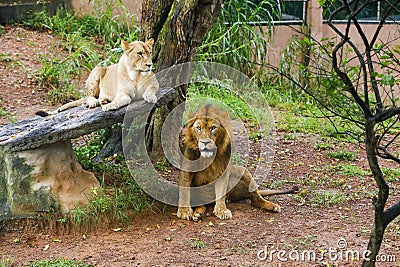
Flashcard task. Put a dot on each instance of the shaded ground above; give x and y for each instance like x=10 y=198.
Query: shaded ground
x=332 y=212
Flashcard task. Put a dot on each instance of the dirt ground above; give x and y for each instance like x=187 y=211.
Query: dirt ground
x=305 y=233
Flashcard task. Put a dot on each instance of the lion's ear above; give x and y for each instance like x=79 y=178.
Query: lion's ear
x=224 y=115
x=124 y=45
x=150 y=42
x=190 y=115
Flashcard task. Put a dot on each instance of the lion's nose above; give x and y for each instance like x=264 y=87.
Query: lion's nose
x=149 y=65
x=206 y=142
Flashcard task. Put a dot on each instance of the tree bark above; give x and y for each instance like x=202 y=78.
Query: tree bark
x=179 y=32
x=379 y=201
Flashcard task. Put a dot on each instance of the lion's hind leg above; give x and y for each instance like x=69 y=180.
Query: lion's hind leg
x=258 y=201
x=246 y=188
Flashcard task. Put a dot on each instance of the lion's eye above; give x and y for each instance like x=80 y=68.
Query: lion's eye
x=198 y=128
x=140 y=53
x=213 y=128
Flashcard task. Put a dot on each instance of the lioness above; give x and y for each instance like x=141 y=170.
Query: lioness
x=130 y=78
x=206 y=143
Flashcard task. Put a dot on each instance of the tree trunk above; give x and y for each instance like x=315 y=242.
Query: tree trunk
x=179 y=32
x=379 y=202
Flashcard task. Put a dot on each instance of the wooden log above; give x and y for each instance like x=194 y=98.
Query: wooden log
x=69 y=124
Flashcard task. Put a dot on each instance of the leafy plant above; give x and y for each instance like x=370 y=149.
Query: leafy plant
x=343 y=155
x=352 y=170
x=59 y=263
x=6 y=262
x=227 y=97
x=327 y=198
x=238 y=37
x=196 y=243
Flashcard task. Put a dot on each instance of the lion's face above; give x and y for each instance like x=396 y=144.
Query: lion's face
x=139 y=55
x=206 y=132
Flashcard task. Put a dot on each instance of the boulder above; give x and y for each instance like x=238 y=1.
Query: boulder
x=44 y=179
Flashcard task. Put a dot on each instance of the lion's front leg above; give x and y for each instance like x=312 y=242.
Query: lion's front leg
x=119 y=101
x=150 y=94
x=221 y=187
x=184 y=209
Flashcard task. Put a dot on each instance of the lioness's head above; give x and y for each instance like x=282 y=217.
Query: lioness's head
x=139 y=55
x=206 y=131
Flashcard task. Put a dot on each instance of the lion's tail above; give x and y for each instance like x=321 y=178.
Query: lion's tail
x=294 y=190
x=69 y=105
x=72 y=104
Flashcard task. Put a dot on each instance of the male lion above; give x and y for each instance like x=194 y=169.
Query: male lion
x=130 y=78
x=206 y=147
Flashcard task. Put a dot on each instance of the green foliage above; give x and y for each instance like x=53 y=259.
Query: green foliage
x=328 y=198
x=196 y=243
x=102 y=24
x=230 y=98
x=237 y=38
x=6 y=262
x=303 y=124
x=324 y=146
x=343 y=155
x=352 y=170
x=113 y=203
x=391 y=174
x=307 y=72
x=59 y=263
x=86 y=153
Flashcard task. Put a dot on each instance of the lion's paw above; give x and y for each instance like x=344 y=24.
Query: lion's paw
x=185 y=213
x=276 y=208
x=199 y=213
x=150 y=98
x=93 y=103
x=222 y=213
x=110 y=106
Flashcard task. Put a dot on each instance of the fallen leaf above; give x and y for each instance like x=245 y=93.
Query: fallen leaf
x=210 y=224
x=46 y=247
x=117 y=229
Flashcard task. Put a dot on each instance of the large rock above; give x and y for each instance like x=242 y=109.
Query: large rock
x=45 y=179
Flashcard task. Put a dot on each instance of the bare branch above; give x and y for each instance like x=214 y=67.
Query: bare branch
x=383 y=115
x=391 y=213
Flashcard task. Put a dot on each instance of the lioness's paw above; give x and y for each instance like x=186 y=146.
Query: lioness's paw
x=185 y=213
x=93 y=103
x=222 y=213
x=150 y=98
x=110 y=106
